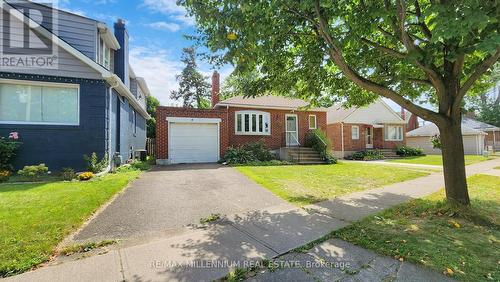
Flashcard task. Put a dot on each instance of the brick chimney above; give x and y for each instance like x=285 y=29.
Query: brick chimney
x=215 y=88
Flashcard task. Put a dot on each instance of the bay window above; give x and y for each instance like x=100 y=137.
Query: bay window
x=393 y=133
x=38 y=103
x=252 y=123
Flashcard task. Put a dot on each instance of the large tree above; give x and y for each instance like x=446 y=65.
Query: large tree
x=194 y=90
x=407 y=51
x=151 y=104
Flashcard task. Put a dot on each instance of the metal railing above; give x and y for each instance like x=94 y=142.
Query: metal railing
x=296 y=156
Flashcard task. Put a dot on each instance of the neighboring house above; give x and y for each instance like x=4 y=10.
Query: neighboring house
x=411 y=120
x=492 y=140
x=186 y=135
x=376 y=126
x=473 y=139
x=92 y=102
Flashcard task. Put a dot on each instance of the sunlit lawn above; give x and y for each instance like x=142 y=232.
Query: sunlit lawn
x=464 y=243
x=437 y=160
x=34 y=218
x=306 y=184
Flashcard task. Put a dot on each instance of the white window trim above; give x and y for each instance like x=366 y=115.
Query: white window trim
x=49 y=84
x=352 y=131
x=315 y=122
x=250 y=113
x=402 y=133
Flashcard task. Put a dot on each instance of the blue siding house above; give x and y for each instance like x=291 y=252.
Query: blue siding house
x=91 y=102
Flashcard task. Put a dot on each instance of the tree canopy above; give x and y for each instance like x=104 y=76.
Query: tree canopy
x=357 y=50
x=194 y=90
x=151 y=104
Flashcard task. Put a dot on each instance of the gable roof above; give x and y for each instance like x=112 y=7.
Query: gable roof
x=377 y=112
x=431 y=129
x=111 y=78
x=268 y=102
x=479 y=125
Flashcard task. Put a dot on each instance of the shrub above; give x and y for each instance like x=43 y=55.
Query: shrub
x=8 y=148
x=329 y=158
x=238 y=155
x=318 y=140
x=267 y=163
x=94 y=164
x=33 y=172
x=140 y=165
x=409 y=151
x=85 y=176
x=259 y=151
x=68 y=174
x=5 y=175
x=368 y=155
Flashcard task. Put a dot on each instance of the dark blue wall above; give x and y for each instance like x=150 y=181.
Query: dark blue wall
x=64 y=146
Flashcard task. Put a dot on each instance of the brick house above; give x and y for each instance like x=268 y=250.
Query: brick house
x=376 y=126
x=187 y=135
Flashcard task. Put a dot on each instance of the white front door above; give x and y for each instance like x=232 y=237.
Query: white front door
x=193 y=142
x=369 y=137
x=292 y=130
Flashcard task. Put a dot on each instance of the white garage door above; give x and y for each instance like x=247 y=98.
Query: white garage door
x=193 y=143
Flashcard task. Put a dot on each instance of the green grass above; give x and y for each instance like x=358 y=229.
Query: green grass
x=34 y=218
x=463 y=242
x=497 y=167
x=307 y=184
x=437 y=160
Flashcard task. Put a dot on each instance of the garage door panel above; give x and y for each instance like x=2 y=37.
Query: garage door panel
x=193 y=142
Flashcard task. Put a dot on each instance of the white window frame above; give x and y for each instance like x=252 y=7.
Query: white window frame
x=48 y=84
x=250 y=132
x=102 y=51
x=357 y=132
x=315 y=122
x=399 y=130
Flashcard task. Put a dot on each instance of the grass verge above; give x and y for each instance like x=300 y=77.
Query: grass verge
x=437 y=160
x=307 y=184
x=460 y=242
x=35 y=217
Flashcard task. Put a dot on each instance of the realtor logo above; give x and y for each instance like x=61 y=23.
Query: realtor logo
x=27 y=35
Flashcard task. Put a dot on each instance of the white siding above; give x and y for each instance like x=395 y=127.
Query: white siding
x=473 y=144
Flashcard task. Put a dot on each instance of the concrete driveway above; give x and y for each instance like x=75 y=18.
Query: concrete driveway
x=166 y=199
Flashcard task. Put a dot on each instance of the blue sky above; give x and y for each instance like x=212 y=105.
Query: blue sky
x=156 y=29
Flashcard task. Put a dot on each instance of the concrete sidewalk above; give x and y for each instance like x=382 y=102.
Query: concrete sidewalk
x=237 y=241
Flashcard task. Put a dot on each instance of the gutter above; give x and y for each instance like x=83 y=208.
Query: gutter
x=125 y=92
x=110 y=155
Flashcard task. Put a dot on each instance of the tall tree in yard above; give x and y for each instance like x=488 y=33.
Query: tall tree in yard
x=193 y=88
x=407 y=51
x=151 y=104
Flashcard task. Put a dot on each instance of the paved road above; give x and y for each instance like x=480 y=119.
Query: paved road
x=167 y=198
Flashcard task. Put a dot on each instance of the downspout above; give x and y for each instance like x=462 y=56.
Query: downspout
x=342 y=138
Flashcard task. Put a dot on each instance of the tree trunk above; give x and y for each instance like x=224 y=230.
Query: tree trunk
x=454 y=162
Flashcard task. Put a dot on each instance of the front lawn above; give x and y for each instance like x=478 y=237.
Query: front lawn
x=34 y=218
x=463 y=243
x=437 y=160
x=307 y=184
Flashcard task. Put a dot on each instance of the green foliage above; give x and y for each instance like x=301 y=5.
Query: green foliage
x=238 y=84
x=329 y=157
x=318 y=140
x=212 y=217
x=94 y=164
x=8 y=148
x=33 y=172
x=405 y=151
x=151 y=104
x=134 y=165
x=248 y=153
x=265 y=163
x=436 y=141
x=368 y=155
x=193 y=88
x=68 y=174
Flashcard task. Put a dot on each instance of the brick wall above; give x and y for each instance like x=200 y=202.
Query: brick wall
x=276 y=139
x=228 y=136
x=162 y=126
x=334 y=133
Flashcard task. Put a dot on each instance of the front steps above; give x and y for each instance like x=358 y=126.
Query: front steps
x=389 y=153
x=303 y=155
